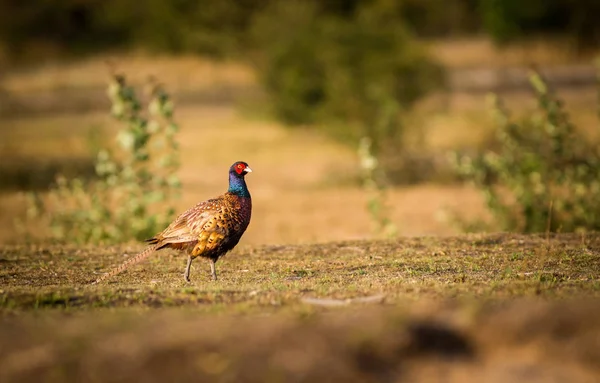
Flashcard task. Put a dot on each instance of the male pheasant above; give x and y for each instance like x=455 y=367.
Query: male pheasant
x=209 y=230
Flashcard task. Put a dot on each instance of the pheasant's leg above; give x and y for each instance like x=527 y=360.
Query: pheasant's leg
x=186 y=275
x=213 y=270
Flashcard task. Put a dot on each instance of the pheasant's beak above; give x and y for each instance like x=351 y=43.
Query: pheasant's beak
x=247 y=170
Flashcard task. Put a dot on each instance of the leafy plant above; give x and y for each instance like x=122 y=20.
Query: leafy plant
x=544 y=177
x=375 y=188
x=134 y=184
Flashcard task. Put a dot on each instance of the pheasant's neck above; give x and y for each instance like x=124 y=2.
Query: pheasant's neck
x=238 y=186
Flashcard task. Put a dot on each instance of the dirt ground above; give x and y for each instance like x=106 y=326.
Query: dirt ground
x=515 y=342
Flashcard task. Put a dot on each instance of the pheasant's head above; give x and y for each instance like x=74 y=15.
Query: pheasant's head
x=237 y=184
x=239 y=169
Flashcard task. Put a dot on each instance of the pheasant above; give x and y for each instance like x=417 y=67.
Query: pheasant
x=209 y=230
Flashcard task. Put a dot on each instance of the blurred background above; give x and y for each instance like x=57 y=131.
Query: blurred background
x=349 y=112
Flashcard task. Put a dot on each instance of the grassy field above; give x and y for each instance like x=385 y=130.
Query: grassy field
x=494 y=266
x=412 y=308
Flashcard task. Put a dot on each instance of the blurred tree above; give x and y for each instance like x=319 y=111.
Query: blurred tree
x=352 y=75
x=288 y=38
x=220 y=27
x=318 y=64
x=435 y=18
x=212 y=27
x=215 y=27
x=509 y=20
x=69 y=22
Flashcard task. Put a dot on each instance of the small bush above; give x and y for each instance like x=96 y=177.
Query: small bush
x=544 y=177
x=374 y=184
x=127 y=201
x=289 y=68
x=350 y=75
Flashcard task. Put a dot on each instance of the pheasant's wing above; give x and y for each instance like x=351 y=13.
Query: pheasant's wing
x=195 y=224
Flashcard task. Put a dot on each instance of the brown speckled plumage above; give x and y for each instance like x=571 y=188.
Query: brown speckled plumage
x=209 y=230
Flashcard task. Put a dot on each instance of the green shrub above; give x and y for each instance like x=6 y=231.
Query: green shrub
x=220 y=27
x=288 y=35
x=351 y=76
x=544 y=177
x=127 y=201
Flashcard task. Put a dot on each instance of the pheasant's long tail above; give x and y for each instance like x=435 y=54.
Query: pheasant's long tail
x=130 y=262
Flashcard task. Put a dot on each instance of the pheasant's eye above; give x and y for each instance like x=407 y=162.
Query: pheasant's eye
x=240 y=166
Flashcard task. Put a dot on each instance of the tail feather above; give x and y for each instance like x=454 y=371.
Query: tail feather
x=130 y=262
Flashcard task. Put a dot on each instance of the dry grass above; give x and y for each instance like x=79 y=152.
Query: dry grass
x=181 y=73
x=303 y=187
x=481 y=52
x=192 y=72
x=497 y=266
x=464 y=121
x=50 y=137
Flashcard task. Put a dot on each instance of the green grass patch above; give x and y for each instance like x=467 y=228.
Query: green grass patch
x=253 y=279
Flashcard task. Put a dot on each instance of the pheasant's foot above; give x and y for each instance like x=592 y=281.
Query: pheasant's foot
x=186 y=275
x=213 y=270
